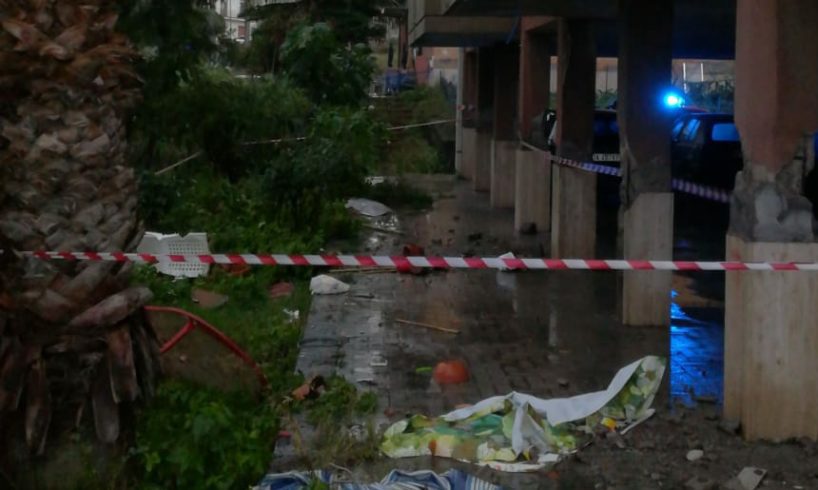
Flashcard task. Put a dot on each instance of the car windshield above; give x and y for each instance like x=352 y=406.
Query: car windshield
x=725 y=132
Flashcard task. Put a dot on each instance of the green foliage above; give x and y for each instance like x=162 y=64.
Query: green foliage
x=173 y=36
x=196 y=438
x=218 y=114
x=340 y=150
x=604 y=98
x=328 y=71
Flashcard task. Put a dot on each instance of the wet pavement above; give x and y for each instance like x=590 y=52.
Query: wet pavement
x=549 y=334
x=519 y=331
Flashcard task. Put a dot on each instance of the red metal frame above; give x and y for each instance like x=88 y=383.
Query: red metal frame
x=194 y=322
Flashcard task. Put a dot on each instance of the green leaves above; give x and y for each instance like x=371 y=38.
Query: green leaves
x=331 y=73
x=197 y=438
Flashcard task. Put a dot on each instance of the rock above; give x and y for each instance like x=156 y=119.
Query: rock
x=562 y=382
x=324 y=284
x=700 y=483
x=694 y=455
x=207 y=299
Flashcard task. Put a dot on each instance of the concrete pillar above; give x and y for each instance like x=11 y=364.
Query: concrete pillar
x=532 y=194
x=484 y=120
x=645 y=71
x=573 y=215
x=469 y=115
x=535 y=76
x=503 y=144
x=771 y=331
x=458 y=128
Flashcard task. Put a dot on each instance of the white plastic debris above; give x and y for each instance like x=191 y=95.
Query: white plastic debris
x=508 y=255
x=292 y=315
x=368 y=207
x=748 y=479
x=325 y=284
x=190 y=244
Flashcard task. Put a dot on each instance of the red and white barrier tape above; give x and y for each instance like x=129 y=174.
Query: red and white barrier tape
x=687 y=187
x=427 y=262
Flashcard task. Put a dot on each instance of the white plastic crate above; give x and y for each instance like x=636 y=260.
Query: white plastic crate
x=190 y=244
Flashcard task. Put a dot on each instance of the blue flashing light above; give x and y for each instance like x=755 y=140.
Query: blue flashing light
x=674 y=100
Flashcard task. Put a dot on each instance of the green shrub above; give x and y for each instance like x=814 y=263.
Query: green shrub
x=192 y=437
x=329 y=72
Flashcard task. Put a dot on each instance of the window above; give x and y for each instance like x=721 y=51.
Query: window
x=726 y=131
x=689 y=133
x=677 y=128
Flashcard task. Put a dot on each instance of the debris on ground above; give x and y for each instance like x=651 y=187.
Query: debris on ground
x=192 y=243
x=749 y=478
x=325 y=284
x=412 y=250
x=694 y=455
x=207 y=299
x=428 y=325
x=451 y=372
x=505 y=268
x=519 y=432
x=292 y=315
x=281 y=290
x=310 y=389
x=395 y=480
x=368 y=207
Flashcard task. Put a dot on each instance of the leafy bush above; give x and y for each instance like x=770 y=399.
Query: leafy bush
x=196 y=438
x=329 y=72
x=340 y=150
x=218 y=114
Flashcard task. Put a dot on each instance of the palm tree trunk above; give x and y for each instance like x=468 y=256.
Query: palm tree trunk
x=73 y=342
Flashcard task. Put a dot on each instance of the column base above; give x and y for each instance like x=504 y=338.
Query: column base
x=468 y=153
x=482 y=162
x=503 y=168
x=648 y=235
x=573 y=215
x=771 y=343
x=532 y=194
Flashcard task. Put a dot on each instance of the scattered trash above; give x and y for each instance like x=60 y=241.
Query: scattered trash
x=368 y=207
x=427 y=325
x=310 y=389
x=292 y=315
x=519 y=432
x=365 y=375
x=694 y=455
x=395 y=480
x=207 y=299
x=423 y=370
x=325 y=284
x=412 y=250
x=451 y=372
x=377 y=360
x=749 y=478
x=281 y=290
x=190 y=244
x=508 y=255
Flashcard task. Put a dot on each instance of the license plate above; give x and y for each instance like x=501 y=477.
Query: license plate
x=606 y=157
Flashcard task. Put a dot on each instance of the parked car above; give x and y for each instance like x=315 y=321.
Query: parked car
x=606 y=137
x=706 y=148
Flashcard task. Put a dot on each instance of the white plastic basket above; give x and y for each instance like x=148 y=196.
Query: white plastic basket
x=190 y=244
